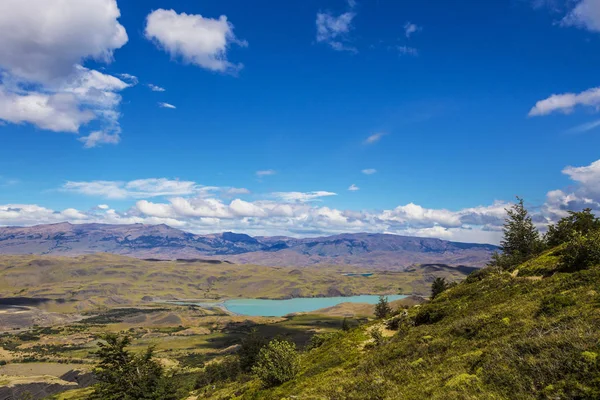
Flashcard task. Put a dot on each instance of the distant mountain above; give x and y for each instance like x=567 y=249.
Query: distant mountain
x=164 y=242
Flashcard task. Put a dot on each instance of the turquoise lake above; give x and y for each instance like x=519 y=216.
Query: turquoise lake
x=278 y=308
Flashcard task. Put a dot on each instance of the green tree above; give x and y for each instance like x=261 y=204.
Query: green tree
x=250 y=349
x=382 y=308
x=277 y=362
x=581 y=251
x=521 y=239
x=345 y=325
x=122 y=375
x=438 y=286
x=583 y=222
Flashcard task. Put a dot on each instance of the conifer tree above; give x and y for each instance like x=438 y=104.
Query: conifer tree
x=438 y=286
x=382 y=308
x=521 y=239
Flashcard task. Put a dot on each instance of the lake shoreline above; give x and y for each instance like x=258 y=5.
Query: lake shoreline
x=256 y=307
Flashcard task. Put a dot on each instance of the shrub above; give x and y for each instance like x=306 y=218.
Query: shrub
x=249 y=350
x=429 y=315
x=393 y=323
x=122 y=375
x=377 y=336
x=226 y=370
x=581 y=252
x=554 y=303
x=277 y=362
x=319 y=339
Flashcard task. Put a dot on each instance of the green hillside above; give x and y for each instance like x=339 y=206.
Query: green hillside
x=497 y=335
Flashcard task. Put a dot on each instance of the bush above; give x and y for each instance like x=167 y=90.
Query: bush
x=319 y=339
x=250 y=349
x=583 y=222
x=393 y=323
x=277 y=362
x=554 y=303
x=429 y=315
x=122 y=375
x=581 y=252
x=226 y=370
x=377 y=336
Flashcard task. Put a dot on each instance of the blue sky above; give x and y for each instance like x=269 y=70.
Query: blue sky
x=167 y=112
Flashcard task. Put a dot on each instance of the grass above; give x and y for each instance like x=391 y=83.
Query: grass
x=105 y=281
x=497 y=335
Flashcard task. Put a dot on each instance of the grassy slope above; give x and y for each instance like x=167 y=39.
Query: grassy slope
x=108 y=280
x=495 y=336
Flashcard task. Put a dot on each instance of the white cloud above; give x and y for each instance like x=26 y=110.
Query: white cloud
x=195 y=208
x=585 y=193
x=374 y=138
x=369 y=171
x=41 y=51
x=265 y=172
x=302 y=197
x=566 y=102
x=586 y=14
x=353 y=188
x=100 y=137
x=155 y=88
x=132 y=79
x=166 y=105
x=588 y=175
x=41 y=40
x=410 y=28
x=243 y=208
x=334 y=30
x=585 y=127
x=58 y=112
x=236 y=191
x=195 y=39
x=139 y=188
x=409 y=51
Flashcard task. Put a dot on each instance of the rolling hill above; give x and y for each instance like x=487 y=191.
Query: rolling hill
x=163 y=242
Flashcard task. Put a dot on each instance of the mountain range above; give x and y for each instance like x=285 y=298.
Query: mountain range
x=164 y=242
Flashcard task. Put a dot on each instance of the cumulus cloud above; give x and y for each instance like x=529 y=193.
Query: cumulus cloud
x=586 y=15
x=353 y=188
x=369 y=171
x=374 y=138
x=585 y=193
x=39 y=44
x=410 y=28
x=566 y=102
x=193 y=38
x=155 y=88
x=41 y=52
x=166 y=105
x=334 y=30
x=198 y=209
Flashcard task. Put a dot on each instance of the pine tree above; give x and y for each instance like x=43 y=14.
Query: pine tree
x=122 y=375
x=521 y=239
x=250 y=348
x=382 y=308
x=438 y=286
